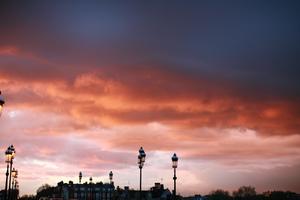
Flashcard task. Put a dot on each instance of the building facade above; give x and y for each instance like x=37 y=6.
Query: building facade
x=101 y=191
x=85 y=191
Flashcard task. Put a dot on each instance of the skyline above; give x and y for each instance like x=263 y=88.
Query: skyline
x=86 y=84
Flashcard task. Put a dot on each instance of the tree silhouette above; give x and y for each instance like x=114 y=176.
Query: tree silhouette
x=245 y=193
x=219 y=195
x=280 y=195
x=44 y=191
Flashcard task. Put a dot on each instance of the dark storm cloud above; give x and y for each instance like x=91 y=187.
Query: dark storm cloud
x=253 y=43
x=244 y=52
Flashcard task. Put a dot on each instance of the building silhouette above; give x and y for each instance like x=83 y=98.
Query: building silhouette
x=101 y=191
x=85 y=191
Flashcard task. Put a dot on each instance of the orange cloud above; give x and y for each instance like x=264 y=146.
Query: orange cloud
x=100 y=99
x=56 y=115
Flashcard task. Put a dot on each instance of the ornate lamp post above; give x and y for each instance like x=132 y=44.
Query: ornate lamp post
x=174 y=165
x=141 y=161
x=91 y=193
x=17 y=189
x=80 y=177
x=8 y=155
x=111 y=177
x=111 y=184
x=2 y=102
x=14 y=174
x=13 y=152
x=79 y=187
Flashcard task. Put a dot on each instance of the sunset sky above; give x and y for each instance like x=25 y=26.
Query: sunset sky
x=87 y=83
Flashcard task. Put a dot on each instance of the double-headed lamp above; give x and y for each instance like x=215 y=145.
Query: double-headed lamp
x=141 y=157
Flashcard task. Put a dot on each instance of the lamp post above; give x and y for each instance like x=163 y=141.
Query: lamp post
x=17 y=188
x=7 y=152
x=13 y=152
x=111 y=183
x=14 y=174
x=79 y=187
x=111 y=177
x=8 y=155
x=2 y=102
x=91 y=194
x=80 y=177
x=174 y=165
x=141 y=161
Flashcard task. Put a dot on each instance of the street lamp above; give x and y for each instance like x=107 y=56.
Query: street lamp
x=12 y=156
x=14 y=174
x=8 y=158
x=91 y=193
x=79 y=187
x=80 y=177
x=174 y=165
x=111 y=182
x=9 y=154
x=110 y=177
x=2 y=102
x=141 y=161
x=17 y=188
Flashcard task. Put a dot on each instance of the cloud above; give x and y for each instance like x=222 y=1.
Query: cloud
x=87 y=84
x=96 y=118
x=113 y=95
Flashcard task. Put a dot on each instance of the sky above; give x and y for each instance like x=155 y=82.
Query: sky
x=87 y=83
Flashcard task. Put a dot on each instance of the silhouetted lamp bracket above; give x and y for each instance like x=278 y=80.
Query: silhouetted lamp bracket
x=2 y=102
x=174 y=161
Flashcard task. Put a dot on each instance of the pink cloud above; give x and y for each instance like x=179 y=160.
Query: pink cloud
x=95 y=119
